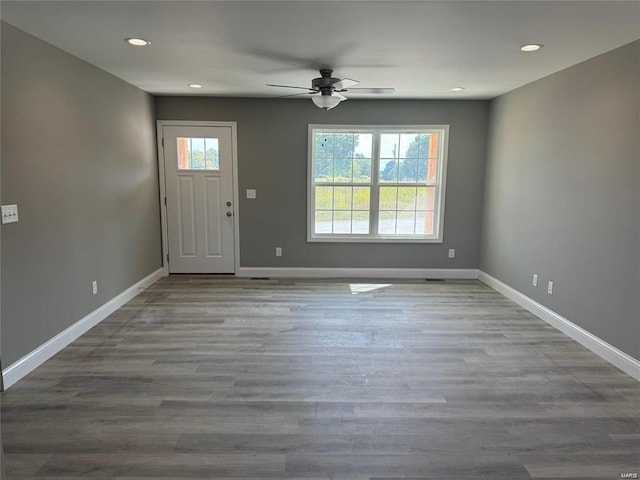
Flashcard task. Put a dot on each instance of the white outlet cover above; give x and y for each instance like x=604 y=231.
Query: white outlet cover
x=452 y=253
x=251 y=193
x=550 y=288
x=535 y=280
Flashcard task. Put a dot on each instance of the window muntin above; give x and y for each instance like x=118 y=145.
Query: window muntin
x=198 y=153
x=373 y=184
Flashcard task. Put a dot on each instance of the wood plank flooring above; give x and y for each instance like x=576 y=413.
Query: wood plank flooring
x=202 y=377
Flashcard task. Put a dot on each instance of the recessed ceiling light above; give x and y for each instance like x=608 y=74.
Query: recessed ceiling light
x=457 y=89
x=137 y=42
x=195 y=85
x=531 y=47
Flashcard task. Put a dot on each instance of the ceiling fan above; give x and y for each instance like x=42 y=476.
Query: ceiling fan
x=327 y=91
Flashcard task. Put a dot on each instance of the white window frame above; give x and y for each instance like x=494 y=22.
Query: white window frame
x=376 y=130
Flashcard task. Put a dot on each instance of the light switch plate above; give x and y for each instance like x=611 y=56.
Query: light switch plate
x=251 y=193
x=9 y=214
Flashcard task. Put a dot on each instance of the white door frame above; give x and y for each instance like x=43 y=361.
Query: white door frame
x=160 y=124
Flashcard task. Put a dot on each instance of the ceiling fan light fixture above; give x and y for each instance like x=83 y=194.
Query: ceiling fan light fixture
x=330 y=89
x=325 y=101
x=457 y=89
x=195 y=85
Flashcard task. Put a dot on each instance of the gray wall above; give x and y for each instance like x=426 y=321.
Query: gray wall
x=79 y=159
x=272 y=157
x=2 y=474
x=563 y=194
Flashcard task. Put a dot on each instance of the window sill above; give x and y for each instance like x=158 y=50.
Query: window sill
x=366 y=239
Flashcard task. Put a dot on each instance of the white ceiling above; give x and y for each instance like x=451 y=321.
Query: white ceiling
x=422 y=48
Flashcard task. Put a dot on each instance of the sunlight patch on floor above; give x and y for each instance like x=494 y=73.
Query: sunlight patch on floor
x=357 y=288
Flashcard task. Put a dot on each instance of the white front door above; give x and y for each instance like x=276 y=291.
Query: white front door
x=198 y=165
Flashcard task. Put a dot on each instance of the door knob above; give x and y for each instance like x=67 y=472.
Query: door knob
x=229 y=214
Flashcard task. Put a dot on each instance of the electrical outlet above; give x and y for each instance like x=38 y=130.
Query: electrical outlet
x=251 y=193
x=535 y=279
x=94 y=287
x=452 y=253
x=550 y=288
x=278 y=251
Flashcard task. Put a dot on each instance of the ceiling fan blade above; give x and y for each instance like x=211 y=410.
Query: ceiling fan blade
x=372 y=90
x=298 y=94
x=344 y=83
x=290 y=86
x=339 y=95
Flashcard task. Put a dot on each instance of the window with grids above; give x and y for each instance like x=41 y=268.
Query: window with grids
x=198 y=153
x=377 y=184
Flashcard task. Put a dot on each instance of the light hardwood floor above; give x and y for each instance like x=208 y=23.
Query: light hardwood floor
x=207 y=378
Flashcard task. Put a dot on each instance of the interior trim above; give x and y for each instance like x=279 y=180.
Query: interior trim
x=312 y=272
x=611 y=354
x=160 y=124
x=44 y=352
x=608 y=352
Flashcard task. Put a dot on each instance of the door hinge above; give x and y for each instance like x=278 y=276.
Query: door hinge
x=167 y=258
x=165 y=201
x=162 y=142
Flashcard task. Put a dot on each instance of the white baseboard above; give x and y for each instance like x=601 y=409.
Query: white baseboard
x=304 y=272
x=44 y=352
x=616 y=357
x=608 y=352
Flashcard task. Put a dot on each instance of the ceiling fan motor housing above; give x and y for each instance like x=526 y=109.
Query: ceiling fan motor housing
x=324 y=84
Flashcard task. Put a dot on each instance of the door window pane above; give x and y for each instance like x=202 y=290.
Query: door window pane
x=198 y=153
